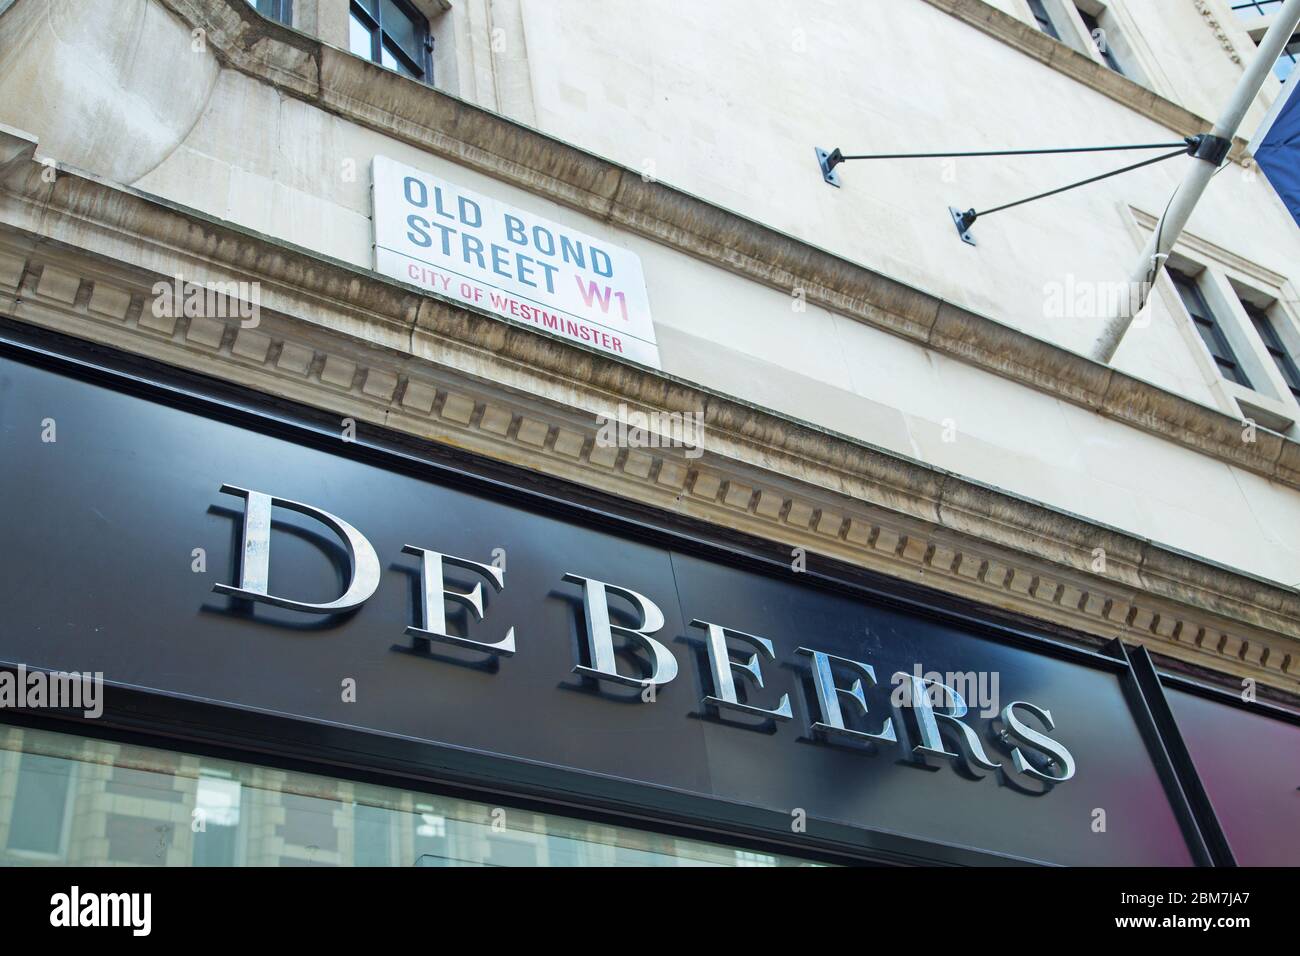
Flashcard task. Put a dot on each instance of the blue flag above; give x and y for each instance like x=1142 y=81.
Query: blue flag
x=1276 y=146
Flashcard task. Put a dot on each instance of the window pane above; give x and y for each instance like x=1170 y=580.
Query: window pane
x=273 y=9
x=1100 y=40
x=359 y=37
x=400 y=29
x=217 y=811
x=371 y=841
x=1211 y=342
x=250 y=815
x=387 y=58
x=1232 y=372
x=1044 y=19
x=1251 y=9
x=1276 y=350
x=1285 y=65
x=36 y=820
x=1208 y=328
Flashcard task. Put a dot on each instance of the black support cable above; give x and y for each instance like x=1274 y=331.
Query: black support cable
x=834 y=160
x=1204 y=146
x=969 y=216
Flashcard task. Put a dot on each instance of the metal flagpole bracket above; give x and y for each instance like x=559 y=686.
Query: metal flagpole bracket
x=828 y=162
x=1213 y=149
x=963 y=222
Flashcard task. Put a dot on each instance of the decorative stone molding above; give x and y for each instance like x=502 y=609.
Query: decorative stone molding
x=1203 y=249
x=1212 y=22
x=83 y=257
x=382 y=100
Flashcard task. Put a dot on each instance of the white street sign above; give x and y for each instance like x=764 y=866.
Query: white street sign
x=467 y=246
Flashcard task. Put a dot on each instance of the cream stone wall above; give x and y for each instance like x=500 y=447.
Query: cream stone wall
x=727 y=104
x=114 y=88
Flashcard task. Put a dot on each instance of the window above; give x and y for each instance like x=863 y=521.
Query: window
x=281 y=10
x=1208 y=328
x=216 y=806
x=1273 y=343
x=1043 y=19
x=250 y=817
x=1253 y=13
x=1100 y=40
x=38 y=818
x=393 y=34
x=1286 y=63
x=1253 y=9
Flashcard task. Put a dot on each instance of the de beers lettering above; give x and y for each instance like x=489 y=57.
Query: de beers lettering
x=841 y=685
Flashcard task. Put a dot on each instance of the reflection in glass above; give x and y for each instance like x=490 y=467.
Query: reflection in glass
x=359 y=37
x=387 y=59
x=38 y=812
x=84 y=802
x=401 y=29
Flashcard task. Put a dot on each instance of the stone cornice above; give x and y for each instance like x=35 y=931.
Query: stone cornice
x=80 y=256
x=382 y=100
x=1031 y=41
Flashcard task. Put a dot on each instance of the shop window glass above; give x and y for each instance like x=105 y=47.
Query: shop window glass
x=140 y=805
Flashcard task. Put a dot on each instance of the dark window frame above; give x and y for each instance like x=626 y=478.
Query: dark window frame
x=1258 y=6
x=1290 y=56
x=381 y=39
x=1093 y=25
x=1274 y=345
x=279 y=10
x=1209 y=328
x=1044 y=19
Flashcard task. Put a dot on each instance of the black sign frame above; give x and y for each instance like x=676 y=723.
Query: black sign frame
x=1172 y=736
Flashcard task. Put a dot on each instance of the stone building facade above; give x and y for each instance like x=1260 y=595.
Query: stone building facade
x=871 y=391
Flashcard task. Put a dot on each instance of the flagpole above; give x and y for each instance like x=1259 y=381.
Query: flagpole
x=1212 y=153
